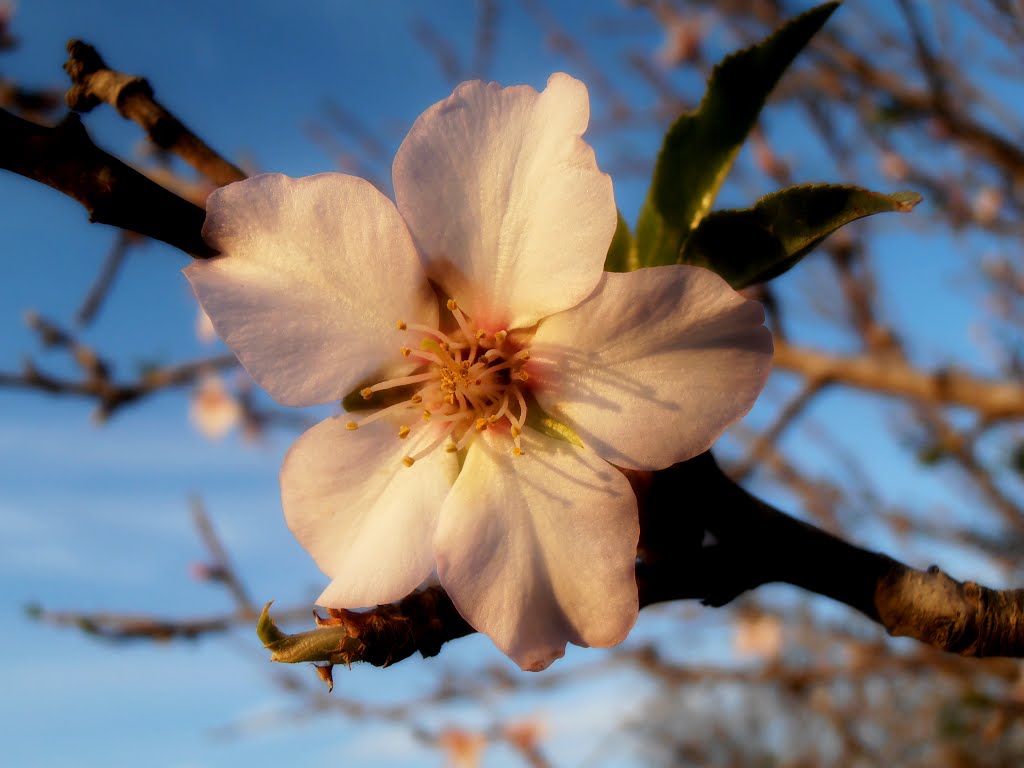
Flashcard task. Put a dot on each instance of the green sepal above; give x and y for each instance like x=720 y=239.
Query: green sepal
x=700 y=146
x=756 y=244
x=622 y=254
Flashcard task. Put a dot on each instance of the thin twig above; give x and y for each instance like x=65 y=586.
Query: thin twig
x=132 y=96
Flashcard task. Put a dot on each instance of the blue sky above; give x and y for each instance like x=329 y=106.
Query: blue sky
x=96 y=518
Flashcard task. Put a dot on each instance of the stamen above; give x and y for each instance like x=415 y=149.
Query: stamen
x=517 y=446
x=403 y=432
x=507 y=364
x=494 y=418
x=464 y=439
x=423 y=355
x=402 y=406
x=499 y=337
x=433 y=444
x=408 y=461
x=400 y=325
x=464 y=327
x=435 y=333
x=522 y=406
x=351 y=425
x=401 y=381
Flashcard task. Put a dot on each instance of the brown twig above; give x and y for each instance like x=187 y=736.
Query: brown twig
x=221 y=566
x=991 y=399
x=64 y=157
x=126 y=627
x=132 y=96
x=97 y=382
x=789 y=413
x=100 y=288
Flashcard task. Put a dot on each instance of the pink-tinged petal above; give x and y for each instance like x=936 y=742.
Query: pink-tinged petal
x=654 y=366
x=504 y=199
x=539 y=550
x=366 y=519
x=313 y=275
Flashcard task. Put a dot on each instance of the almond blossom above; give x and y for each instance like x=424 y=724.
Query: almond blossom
x=506 y=377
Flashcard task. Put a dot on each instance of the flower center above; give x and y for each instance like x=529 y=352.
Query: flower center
x=469 y=382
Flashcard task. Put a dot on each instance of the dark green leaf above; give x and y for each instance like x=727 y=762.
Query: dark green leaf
x=759 y=243
x=700 y=147
x=622 y=256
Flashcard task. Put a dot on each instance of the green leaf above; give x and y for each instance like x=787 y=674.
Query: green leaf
x=756 y=244
x=622 y=255
x=700 y=147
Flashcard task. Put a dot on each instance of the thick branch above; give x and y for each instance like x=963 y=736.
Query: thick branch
x=64 y=157
x=132 y=96
x=991 y=399
x=755 y=544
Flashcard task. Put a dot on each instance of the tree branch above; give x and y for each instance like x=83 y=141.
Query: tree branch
x=755 y=544
x=64 y=157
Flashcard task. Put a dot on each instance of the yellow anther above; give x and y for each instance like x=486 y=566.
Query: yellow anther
x=499 y=337
x=450 y=399
x=491 y=355
x=408 y=461
x=403 y=432
x=521 y=375
x=406 y=351
x=481 y=334
x=517 y=451
x=426 y=415
x=366 y=392
x=516 y=431
x=400 y=325
x=523 y=354
x=481 y=425
x=417 y=398
x=452 y=306
x=351 y=425
x=493 y=418
x=450 y=448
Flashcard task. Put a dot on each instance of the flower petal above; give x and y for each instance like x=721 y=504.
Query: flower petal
x=654 y=366
x=511 y=214
x=313 y=274
x=540 y=549
x=366 y=519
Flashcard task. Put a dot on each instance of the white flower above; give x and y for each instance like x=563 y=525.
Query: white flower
x=472 y=309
